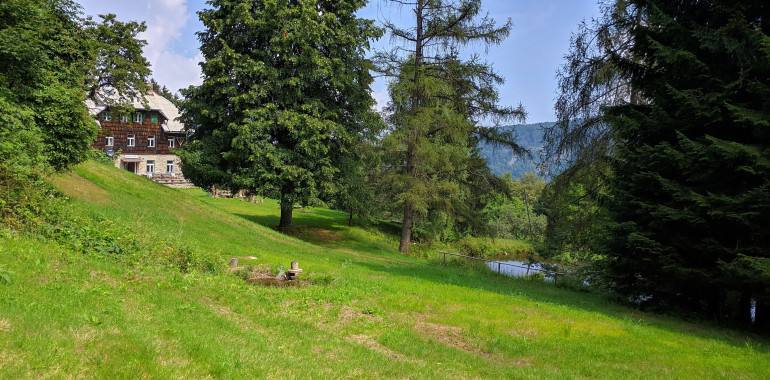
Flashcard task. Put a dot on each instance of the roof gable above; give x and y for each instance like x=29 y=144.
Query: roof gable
x=155 y=102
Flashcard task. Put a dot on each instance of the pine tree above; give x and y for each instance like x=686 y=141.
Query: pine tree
x=438 y=102
x=691 y=187
x=285 y=90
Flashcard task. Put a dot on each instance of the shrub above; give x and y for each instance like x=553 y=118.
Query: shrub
x=535 y=276
x=187 y=259
x=476 y=247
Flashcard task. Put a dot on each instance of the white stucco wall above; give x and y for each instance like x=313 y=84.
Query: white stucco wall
x=141 y=164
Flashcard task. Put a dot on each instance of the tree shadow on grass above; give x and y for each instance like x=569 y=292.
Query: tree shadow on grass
x=322 y=219
x=481 y=278
x=478 y=276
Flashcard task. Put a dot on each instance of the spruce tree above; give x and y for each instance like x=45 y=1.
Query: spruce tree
x=284 y=92
x=691 y=177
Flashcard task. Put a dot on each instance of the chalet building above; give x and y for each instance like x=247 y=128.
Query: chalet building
x=141 y=142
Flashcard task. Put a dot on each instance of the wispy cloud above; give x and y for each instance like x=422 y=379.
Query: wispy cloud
x=381 y=97
x=166 y=21
x=169 y=67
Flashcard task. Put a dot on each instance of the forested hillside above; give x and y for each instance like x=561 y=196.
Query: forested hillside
x=503 y=160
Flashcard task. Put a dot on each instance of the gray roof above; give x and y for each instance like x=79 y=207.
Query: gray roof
x=154 y=101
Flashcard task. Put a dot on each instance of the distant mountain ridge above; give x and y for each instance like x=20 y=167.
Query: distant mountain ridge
x=502 y=160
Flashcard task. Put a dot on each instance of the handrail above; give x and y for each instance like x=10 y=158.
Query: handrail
x=555 y=274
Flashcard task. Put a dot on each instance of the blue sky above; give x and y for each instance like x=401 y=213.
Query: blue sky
x=528 y=59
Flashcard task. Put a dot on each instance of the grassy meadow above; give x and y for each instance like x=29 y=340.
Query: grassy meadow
x=361 y=310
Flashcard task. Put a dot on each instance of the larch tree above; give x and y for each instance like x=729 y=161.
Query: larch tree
x=438 y=104
x=580 y=143
x=285 y=92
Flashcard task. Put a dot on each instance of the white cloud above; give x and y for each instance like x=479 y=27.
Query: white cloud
x=164 y=27
x=176 y=71
x=165 y=20
x=381 y=97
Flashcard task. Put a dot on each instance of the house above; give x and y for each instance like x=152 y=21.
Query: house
x=142 y=141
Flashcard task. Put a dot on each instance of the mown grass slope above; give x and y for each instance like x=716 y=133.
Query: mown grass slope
x=363 y=312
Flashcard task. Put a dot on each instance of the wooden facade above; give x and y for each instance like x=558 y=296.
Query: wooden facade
x=120 y=131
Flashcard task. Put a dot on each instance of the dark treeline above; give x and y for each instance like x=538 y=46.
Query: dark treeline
x=669 y=175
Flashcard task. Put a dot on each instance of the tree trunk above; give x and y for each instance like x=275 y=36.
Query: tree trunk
x=286 y=214
x=406 y=228
x=411 y=171
x=526 y=203
x=350 y=218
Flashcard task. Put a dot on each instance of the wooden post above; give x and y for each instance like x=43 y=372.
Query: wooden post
x=498 y=268
x=233 y=262
x=528 y=265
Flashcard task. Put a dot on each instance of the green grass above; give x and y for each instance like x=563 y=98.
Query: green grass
x=364 y=312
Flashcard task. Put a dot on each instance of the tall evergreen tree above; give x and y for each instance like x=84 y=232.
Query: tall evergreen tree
x=438 y=103
x=691 y=188
x=284 y=92
x=118 y=62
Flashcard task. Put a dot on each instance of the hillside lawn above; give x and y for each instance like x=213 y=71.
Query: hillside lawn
x=361 y=310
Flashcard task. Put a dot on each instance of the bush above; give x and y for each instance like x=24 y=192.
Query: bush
x=572 y=282
x=484 y=248
x=535 y=276
x=22 y=165
x=187 y=259
x=101 y=157
x=476 y=247
x=91 y=235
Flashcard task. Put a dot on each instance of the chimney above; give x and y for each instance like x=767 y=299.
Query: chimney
x=149 y=89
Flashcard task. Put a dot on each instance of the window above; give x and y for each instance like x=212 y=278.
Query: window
x=171 y=142
x=110 y=141
x=106 y=116
x=151 y=141
x=154 y=119
x=138 y=117
x=124 y=118
x=150 y=167
x=170 y=167
x=131 y=140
